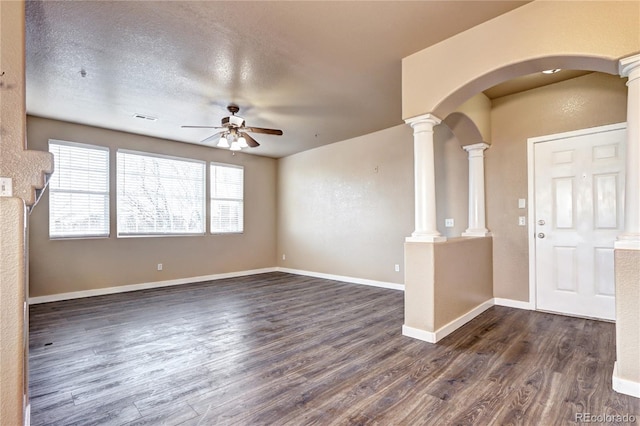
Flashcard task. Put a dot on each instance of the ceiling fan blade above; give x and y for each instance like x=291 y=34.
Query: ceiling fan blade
x=212 y=137
x=263 y=130
x=202 y=127
x=250 y=141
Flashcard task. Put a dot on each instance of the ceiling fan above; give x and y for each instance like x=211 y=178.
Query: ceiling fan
x=233 y=132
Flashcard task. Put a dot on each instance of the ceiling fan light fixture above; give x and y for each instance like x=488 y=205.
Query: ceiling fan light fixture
x=223 y=142
x=243 y=142
x=234 y=134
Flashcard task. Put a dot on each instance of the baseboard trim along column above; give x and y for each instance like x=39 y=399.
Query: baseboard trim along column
x=144 y=286
x=343 y=278
x=447 y=329
x=510 y=303
x=624 y=386
x=416 y=333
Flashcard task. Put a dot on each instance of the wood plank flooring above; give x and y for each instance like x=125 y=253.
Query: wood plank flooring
x=283 y=349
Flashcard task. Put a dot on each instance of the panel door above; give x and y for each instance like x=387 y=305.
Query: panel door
x=579 y=195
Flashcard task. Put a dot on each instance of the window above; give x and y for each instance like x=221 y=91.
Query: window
x=159 y=195
x=227 y=198
x=79 y=191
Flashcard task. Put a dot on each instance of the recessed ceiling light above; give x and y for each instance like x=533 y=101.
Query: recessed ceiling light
x=145 y=117
x=553 y=71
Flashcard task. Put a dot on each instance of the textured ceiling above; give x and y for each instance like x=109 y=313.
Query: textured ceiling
x=320 y=71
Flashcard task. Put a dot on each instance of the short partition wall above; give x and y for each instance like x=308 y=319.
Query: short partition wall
x=447 y=284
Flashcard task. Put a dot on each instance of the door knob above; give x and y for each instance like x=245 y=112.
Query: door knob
x=541 y=222
x=541 y=235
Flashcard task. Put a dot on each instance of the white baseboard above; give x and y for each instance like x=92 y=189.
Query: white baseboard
x=510 y=303
x=624 y=386
x=462 y=320
x=447 y=329
x=27 y=415
x=353 y=280
x=416 y=333
x=144 y=286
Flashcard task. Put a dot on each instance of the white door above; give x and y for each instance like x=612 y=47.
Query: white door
x=578 y=205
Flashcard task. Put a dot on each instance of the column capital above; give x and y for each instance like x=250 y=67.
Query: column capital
x=630 y=67
x=476 y=147
x=418 y=122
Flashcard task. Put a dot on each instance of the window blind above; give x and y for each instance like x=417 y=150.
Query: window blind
x=227 y=198
x=159 y=195
x=79 y=190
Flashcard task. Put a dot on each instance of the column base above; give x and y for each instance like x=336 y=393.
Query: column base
x=476 y=233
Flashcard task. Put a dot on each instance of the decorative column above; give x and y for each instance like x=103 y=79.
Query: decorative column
x=424 y=179
x=630 y=238
x=626 y=370
x=477 y=224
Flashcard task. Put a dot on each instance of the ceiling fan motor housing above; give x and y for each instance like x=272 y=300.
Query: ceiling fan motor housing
x=233 y=121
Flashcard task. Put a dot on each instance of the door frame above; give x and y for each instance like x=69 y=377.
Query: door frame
x=531 y=208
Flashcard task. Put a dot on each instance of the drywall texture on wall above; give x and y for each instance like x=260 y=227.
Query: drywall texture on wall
x=452 y=182
x=12 y=297
x=627 y=314
x=459 y=289
x=438 y=289
x=592 y=100
x=60 y=266
x=347 y=207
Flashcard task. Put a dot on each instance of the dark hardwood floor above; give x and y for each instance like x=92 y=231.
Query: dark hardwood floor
x=289 y=350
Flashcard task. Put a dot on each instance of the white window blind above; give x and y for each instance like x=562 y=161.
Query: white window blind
x=159 y=195
x=227 y=198
x=79 y=191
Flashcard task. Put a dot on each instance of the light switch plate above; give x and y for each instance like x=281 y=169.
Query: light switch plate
x=6 y=187
x=522 y=203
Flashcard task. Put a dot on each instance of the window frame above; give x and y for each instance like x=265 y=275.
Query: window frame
x=212 y=198
x=203 y=163
x=107 y=192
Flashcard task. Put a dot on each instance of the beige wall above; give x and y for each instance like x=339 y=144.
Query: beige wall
x=337 y=215
x=346 y=208
x=446 y=280
x=419 y=286
x=60 y=266
x=463 y=277
x=592 y=100
x=628 y=314
x=12 y=298
x=478 y=109
x=452 y=182
x=588 y=35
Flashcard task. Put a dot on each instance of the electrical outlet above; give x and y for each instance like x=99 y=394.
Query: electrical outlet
x=397 y=268
x=522 y=221
x=6 y=187
x=284 y=257
x=448 y=223
x=159 y=266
